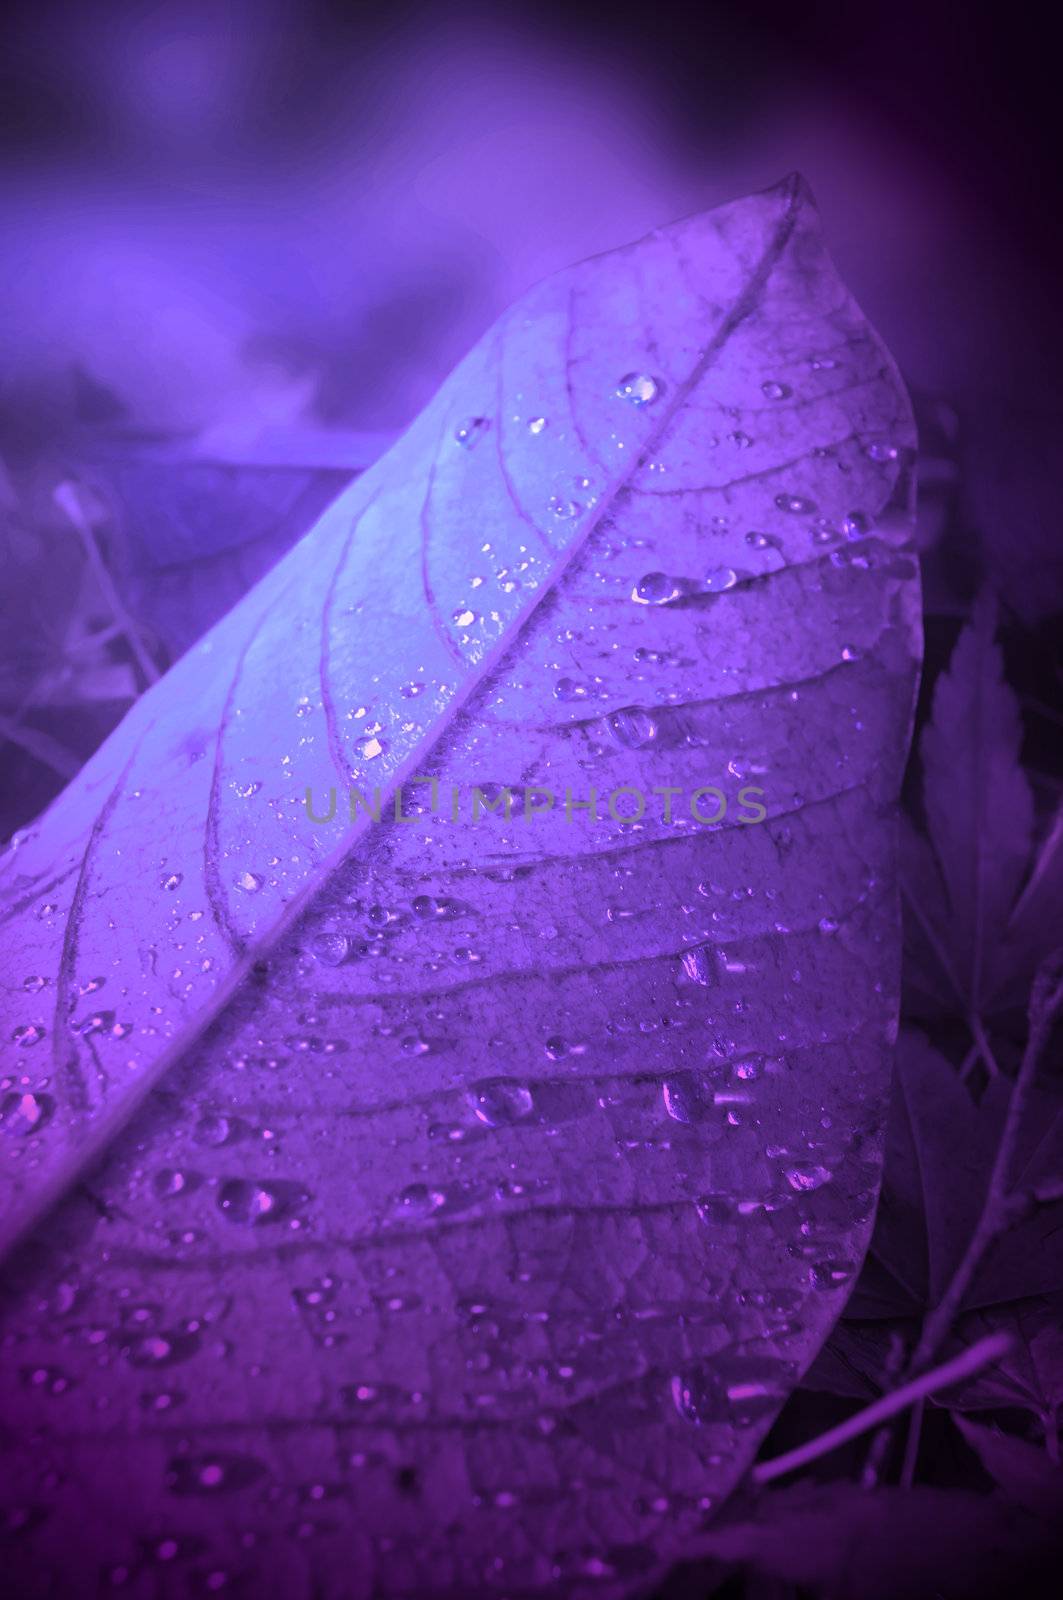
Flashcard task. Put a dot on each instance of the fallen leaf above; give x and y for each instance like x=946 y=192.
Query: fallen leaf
x=476 y=1191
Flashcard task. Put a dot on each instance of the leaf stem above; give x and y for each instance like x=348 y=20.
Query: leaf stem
x=997 y=1211
x=69 y=501
x=911 y=1444
x=972 y=1360
x=985 y=1049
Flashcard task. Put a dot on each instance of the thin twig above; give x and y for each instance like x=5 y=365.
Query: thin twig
x=972 y=1360
x=68 y=500
x=42 y=747
x=969 y=1061
x=935 y=943
x=911 y=1444
x=985 y=1049
x=997 y=1208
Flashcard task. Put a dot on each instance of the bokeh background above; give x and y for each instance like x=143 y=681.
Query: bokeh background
x=244 y=241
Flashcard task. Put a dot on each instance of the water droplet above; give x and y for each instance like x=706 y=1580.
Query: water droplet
x=329 y=947
x=698 y=964
x=794 y=502
x=169 y=1182
x=464 y=617
x=656 y=589
x=172 y=880
x=697 y=1395
x=97 y=1022
x=740 y=440
x=759 y=541
x=497 y=1101
x=721 y=578
x=28 y=1033
x=638 y=389
x=562 y=508
x=418 y=1200
x=771 y=390
x=830 y=1274
x=25 y=1114
x=34 y=985
x=246 y=790
x=212 y=1474
x=370 y=747
x=46 y=1380
x=881 y=452
x=470 y=431
x=556 y=1048
x=436 y=908
x=568 y=689
x=828 y=925
x=413 y=1045
x=684 y=1099
x=410 y=691
x=806 y=1176
x=241 y=1200
x=536 y=424
x=213 y=1129
x=633 y=727
x=249 y=882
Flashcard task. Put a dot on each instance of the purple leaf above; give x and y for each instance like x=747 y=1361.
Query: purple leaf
x=939 y=1151
x=838 y=1540
x=978 y=803
x=477 y=1190
x=1030 y=1375
x=1033 y=928
x=935 y=1176
x=1027 y=1475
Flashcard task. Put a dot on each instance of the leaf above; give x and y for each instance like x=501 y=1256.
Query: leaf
x=1031 y=1375
x=843 y=1543
x=1033 y=930
x=978 y=803
x=939 y=1153
x=189 y=537
x=935 y=1177
x=488 y=1184
x=1027 y=1475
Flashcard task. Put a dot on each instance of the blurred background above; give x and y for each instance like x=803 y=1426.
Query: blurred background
x=244 y=241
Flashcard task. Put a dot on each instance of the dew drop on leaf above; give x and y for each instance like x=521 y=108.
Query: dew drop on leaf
x=633 y=727
x=25 y=1114
x=329 y=947
x=638 y=389
x=471 y=431
x=807 y=1177
x=497 y=1101
x=721 y=578
x=28 y=1033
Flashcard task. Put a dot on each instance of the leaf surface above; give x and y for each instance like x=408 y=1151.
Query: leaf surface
x=836 y=1539
x=978 y=802
x=476 y=1191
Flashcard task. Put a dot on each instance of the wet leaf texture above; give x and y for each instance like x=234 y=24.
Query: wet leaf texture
x=460 y=1200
